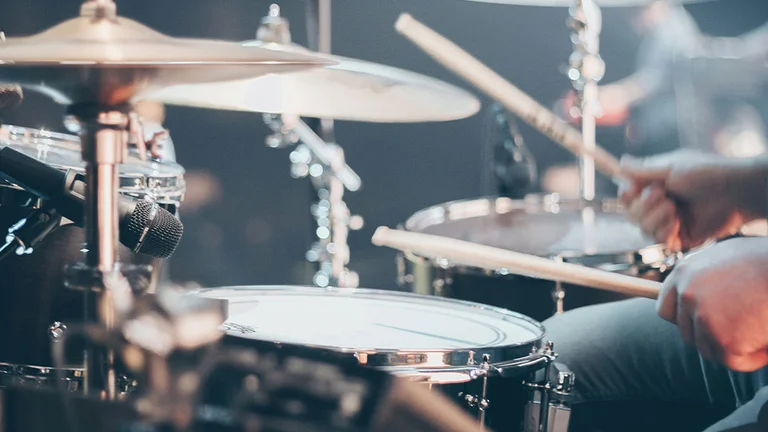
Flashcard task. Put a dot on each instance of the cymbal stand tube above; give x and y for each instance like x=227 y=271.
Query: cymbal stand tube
x=586 y=70
x=324 y=164
x=104 y=138
x=319 y=31
x=319 y=38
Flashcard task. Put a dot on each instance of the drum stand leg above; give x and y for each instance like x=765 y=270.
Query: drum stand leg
x=586 y=70
x=324 y=164
x=552 y=395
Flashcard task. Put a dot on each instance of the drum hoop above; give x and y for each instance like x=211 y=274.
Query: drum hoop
x=161 y=186
x=447 y=360
x=40 y=372
x=575 y=258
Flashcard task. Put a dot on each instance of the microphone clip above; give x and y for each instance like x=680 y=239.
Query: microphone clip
x=28 y=232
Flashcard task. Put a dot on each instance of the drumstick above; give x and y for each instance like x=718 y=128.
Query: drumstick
x=491 y=258
x=481 y=76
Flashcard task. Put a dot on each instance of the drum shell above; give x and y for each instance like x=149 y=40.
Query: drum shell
x=32 y=286
x=489 y=365
x=536 y=298
x=34 y=295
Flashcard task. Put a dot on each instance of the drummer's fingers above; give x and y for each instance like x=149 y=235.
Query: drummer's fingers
x=746 y=363
x=671 y=235
x=660 y=220
x=666 y=303
x=646 y=170
x=629 y=191
x=651 y=197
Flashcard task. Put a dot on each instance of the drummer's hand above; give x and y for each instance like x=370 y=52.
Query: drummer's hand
x=718 y=297
x=690 y=197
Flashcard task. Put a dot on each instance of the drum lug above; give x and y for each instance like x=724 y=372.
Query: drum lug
x=565 y=382
x=403 y=278
x=56 y=331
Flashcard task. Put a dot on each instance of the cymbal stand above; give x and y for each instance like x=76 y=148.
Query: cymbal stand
x=319 y=39
x=318 y=157
x=324 y=164
x=104 y=135
x=585 y=71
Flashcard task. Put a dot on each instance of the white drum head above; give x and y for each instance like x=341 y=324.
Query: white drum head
x=541 y=225
x=373 y=321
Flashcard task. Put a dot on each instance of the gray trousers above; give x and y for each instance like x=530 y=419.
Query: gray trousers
x=633 y=373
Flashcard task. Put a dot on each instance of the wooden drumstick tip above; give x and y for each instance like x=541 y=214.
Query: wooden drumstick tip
x=404 y=20
x=379 y=235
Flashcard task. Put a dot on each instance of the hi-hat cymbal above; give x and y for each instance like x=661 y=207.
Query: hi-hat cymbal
x=349 y=90
x=101 y=58
x=569 y=3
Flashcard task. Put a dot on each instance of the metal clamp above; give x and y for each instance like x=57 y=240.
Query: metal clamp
x=324 y=164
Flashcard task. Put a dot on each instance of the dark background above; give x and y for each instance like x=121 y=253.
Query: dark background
x=258 y=228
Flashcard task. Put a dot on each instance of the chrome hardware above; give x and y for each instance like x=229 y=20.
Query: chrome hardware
x=56 y=331
x=323 y=163
x=475 y=401
x=274 y=28
x=548 y=349
x=585 y=70
x=543 y=412
x=99 y=9
x=565 y=383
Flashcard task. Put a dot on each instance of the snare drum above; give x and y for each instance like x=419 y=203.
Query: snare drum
x=476 y=352
x=596 y=235
x=33 y=298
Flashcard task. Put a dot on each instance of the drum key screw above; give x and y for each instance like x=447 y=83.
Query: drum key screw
x=56 y=331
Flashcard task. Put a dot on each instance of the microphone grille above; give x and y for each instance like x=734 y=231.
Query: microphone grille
x=163 y=234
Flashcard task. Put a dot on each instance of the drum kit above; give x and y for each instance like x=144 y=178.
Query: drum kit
x=104 y=346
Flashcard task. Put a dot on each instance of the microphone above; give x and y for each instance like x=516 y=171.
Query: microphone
x=145 y=227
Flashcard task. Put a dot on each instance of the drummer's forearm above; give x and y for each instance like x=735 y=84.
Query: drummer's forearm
x=750 y=45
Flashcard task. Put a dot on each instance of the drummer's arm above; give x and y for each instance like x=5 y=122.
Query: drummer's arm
x=750 y=45
x=618 y=97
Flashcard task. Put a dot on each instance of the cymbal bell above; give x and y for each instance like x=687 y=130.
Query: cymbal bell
x=569 y=3
x=350 y=89
x=102 y=58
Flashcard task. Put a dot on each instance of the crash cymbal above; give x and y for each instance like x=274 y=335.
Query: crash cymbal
x=569 y=3
x=102 y=58
x=349 y=90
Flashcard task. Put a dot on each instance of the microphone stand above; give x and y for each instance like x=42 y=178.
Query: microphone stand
x=27 y=233
x=318 y=157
